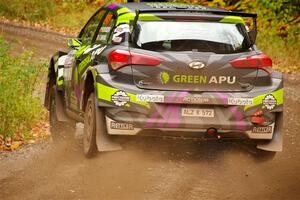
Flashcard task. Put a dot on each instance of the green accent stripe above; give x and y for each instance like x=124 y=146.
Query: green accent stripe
x=105 y=92
x=81 y=50
x=73 y=42
x=59 y=82
x=232 y=19
x=278 y=94
x=126 y=18
x=123 y=10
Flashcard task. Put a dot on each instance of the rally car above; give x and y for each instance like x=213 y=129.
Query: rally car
x=168 y=69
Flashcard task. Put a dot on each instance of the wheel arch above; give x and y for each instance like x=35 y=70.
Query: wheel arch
x=52 y=76
x=89 y=86
x=50 y=83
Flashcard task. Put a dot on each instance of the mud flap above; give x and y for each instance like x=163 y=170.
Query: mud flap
x=60 y=110
x=104 y=141
x=276 y=143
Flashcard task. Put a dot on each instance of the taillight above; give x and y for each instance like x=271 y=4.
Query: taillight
x=257 y=117
x=261 y=61
x=120 y=58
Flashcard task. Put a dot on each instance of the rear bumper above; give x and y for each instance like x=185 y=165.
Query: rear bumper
x=130 y=109
x=128 y=128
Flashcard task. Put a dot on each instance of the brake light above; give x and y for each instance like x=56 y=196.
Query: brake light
x=120 y=58
x=257 y=117
x=261 y=61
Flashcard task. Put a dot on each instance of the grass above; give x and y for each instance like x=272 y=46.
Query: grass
x=71 y=16
x=20 y=106
x=32 y=10
x=60 y=15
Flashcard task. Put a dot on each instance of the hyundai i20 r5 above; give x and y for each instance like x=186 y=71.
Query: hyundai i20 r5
x=167 y=67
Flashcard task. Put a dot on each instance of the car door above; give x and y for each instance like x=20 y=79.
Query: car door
x=81 y=57
x=100 y=41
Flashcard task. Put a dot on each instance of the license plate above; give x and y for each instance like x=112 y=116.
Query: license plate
x=197 y=112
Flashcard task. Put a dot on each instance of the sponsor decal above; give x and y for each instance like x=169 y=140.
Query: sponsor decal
x=202 y=79
x=121 y=125
x=150 y=98
x=195 y=99
x=123 y=28
x=120 y=98
x=263 y=129
x=100 y=50
x=119 y=33
x=88 y=50
x=117 y=39
x=97 y=52
x=240 y=101
x=269 y=101
x=196 y=79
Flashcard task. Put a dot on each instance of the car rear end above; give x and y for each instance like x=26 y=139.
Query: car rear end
x=192 y=74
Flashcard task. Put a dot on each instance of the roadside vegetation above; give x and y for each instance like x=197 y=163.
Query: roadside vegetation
x=20 y=104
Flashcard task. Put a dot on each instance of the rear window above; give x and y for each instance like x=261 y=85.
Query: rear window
x=191 y=36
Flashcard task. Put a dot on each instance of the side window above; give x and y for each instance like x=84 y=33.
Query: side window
x=105 y=30
x=87 y=34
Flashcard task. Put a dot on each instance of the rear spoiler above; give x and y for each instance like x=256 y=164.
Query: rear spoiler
x=252 y=33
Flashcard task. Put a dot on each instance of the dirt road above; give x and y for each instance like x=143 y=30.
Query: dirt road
x=155 y=169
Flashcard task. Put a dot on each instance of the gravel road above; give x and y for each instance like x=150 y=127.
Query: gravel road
x=151 y=168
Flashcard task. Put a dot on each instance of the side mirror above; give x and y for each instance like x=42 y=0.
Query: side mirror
x=73 y=43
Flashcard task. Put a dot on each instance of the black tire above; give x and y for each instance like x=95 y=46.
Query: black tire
x=89 y=131
x=56 y=127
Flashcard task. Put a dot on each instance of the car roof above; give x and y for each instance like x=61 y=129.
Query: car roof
x=161 y=6
x=166 y=5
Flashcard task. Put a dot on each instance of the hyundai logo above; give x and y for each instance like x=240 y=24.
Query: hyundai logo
x=196 y=65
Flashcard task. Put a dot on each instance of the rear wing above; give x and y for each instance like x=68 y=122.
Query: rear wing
x=252 y=33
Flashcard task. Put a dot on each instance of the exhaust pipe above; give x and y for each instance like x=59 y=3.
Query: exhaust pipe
x=211 y=131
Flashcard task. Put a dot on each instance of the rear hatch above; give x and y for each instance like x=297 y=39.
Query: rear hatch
x=194 y=56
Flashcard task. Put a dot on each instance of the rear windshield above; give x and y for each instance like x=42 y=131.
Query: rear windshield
x=191 y=36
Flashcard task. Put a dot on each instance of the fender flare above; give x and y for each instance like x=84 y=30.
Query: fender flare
x=52 y=76
x=90 y=72
x=59 y=71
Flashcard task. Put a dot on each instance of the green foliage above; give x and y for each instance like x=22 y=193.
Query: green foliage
x=19 y=108
x=32 y=10
x=71 y=14
x=285 y=52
